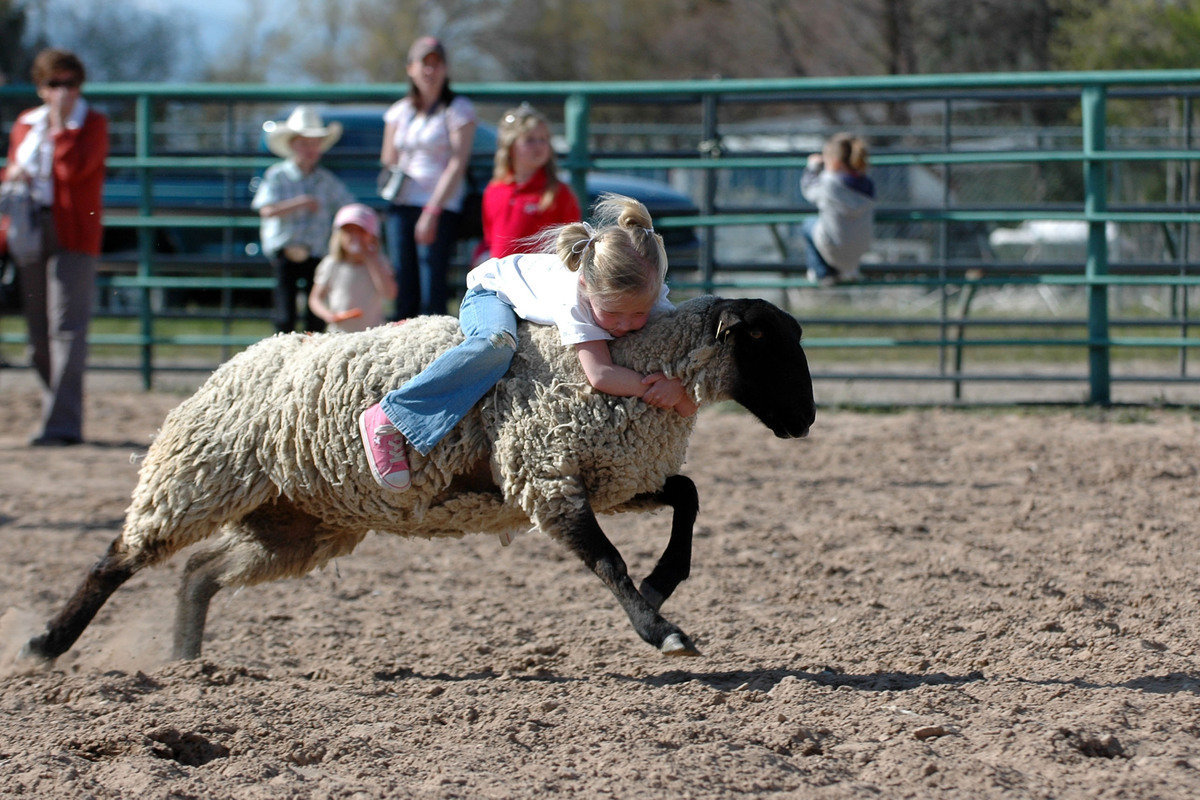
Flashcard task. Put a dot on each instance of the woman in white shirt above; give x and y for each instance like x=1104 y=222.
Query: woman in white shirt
x=427 y=136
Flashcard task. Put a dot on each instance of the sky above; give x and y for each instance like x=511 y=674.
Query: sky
x=213 y=18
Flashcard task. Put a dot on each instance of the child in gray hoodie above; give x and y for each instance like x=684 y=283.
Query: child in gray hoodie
x=835 y=181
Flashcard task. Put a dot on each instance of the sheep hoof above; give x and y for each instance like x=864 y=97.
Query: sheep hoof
x=30 y=659
x=678 y=645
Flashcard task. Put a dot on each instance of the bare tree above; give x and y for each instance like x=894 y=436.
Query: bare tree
x=122 y=42
x=253 y=51
x=16 y=50
x=500 y=40
x=388 y=27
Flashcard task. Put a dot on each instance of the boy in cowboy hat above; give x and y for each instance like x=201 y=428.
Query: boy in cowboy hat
x=296 y=201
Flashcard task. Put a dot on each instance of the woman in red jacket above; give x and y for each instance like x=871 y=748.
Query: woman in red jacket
x=59 y=149
x=525 y=194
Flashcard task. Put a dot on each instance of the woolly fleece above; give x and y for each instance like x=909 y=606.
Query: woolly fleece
x=268 y=448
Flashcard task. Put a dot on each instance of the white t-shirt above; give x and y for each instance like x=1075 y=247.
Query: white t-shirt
x=423 y=144
x=350 y=286
x=541 y=289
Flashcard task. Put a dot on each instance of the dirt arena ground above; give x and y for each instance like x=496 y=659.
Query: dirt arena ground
x=929 y=603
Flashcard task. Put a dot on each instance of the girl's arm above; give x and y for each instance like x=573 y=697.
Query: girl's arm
x=810 y=179
x=316 y=301
x=664 y=392
x=381 y=275
x=303 y=202
x=605 y=376
x=387 y=152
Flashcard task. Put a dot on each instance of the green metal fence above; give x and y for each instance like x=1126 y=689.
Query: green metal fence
x=712 y=139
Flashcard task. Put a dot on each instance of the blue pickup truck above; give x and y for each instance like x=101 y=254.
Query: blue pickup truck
x=228 y=192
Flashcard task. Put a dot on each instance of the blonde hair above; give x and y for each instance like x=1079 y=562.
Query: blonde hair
x=851 y=151
x=619 y=258
x=515 y=123
x=338 y=252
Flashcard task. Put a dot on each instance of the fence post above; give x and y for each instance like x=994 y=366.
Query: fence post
x=145 y=235
x=575 y=119
x=1096 y=202
x=708 y=204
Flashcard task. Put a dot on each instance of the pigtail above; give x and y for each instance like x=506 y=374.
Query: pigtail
x=634 y=219
x=621 y=256
x=859 y=155
x=851 y=151
x=574 y=243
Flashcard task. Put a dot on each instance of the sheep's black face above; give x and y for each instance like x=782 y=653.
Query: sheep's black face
x=771 y=376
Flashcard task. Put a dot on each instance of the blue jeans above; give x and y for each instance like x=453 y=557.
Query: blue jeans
x=812 y=257
x=420 y=269
x=429 y=406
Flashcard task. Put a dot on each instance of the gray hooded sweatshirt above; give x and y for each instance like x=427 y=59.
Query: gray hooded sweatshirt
x=845 y=215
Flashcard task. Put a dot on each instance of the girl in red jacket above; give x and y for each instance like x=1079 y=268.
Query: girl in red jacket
x=525 y=194
x=59 y=149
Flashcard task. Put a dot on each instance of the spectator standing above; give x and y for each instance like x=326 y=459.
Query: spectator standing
x=836 y=182
x=354 y=279
x=59 y=148
x=296 y=201
x=427 y=141
x=525 y=194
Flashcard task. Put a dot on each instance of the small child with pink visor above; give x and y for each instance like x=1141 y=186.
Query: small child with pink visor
x=353 y=281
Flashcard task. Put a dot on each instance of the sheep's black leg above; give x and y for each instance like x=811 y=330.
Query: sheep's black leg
x=200 y=583
x=104 y=578
x=675 y=564
x=583 y=535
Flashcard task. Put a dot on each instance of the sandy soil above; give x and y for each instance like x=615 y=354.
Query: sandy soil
x=917 y=604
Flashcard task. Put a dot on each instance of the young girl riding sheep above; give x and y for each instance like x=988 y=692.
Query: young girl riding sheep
x=600 y=284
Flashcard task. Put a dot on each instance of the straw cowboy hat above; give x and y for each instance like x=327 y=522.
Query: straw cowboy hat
x=304 y=121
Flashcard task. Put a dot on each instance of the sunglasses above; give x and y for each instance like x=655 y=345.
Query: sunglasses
x=71 y=84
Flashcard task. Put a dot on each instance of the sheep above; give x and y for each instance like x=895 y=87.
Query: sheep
x=266 y=452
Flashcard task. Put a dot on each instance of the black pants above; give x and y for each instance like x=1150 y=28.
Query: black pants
x=292 y=278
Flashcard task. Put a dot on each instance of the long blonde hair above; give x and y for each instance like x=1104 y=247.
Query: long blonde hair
x=621 y=257
x=514 y=124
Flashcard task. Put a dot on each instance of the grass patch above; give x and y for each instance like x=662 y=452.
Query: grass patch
x=164 y=328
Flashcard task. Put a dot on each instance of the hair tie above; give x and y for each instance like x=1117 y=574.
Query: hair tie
x=582 y=244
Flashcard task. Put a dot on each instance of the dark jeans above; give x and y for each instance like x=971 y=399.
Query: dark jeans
x=420 y=269
x=291 y=278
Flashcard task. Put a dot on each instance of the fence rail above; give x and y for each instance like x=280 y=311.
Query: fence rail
x=956 y=157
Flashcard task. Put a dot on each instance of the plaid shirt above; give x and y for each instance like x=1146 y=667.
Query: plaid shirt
x=284 y=181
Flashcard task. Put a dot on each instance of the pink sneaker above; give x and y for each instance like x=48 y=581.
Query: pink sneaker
x=385 y=448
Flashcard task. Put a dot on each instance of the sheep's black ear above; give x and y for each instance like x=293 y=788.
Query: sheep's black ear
x=727 y=322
